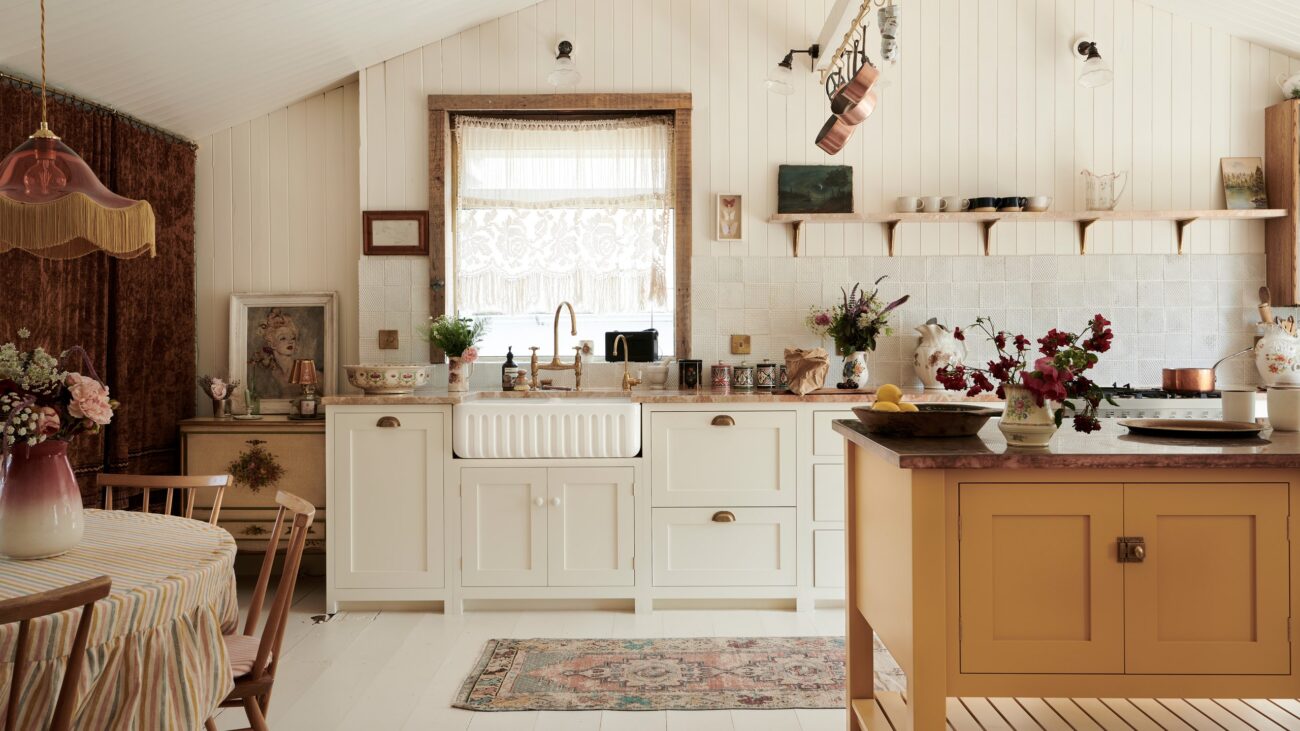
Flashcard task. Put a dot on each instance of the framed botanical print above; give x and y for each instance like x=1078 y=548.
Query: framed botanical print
x=395 y=233
x=268 y=332
x=731 y=217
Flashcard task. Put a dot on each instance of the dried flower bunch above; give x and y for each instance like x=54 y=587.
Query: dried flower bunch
x=455 y=336
x=1056 y=376
x=855 y=323
x=40 y=400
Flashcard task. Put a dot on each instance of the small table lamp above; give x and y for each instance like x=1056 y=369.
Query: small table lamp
x=304 y=374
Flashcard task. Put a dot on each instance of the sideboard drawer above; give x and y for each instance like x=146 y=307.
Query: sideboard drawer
x=695 y=547
x=707 y=458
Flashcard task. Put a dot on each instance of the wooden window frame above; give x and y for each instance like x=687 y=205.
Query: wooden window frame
x=443 y=106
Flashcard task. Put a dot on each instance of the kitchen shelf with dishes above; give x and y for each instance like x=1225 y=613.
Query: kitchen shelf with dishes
x=987 y=220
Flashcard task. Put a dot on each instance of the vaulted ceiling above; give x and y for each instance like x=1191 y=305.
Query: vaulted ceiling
x=195 y=66
x=1271 y=23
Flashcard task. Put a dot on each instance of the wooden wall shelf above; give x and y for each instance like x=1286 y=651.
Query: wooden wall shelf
x=1082 y=219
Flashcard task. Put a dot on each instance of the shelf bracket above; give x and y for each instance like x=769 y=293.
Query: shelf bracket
x=1083 y=225
x=889 y=240
x=986 y=232
x=1180 y=226
x=796 y=227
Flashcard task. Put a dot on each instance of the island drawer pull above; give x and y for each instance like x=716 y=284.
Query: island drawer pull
x=723 y=420
x=1132 y=549
x=388 y=422
x=724 y=516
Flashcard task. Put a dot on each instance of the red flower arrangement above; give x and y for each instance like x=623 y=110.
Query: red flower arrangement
x=1058 y=375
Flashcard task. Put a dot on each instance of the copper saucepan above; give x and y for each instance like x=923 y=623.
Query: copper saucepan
x=834 y=134
x=858 y=113
x=1193 y=380
x=855 y=89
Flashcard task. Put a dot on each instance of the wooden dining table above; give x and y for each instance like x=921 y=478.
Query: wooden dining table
x=155 y=657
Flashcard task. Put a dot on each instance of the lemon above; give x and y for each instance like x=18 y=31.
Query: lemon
x=888 y=406
x=907 y=407
x=889 y=392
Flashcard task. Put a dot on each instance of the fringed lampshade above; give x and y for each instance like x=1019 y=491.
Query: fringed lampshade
x=53 y=206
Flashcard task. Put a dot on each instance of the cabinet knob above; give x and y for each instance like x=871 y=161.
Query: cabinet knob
x=724 y=516
x=723 y=420
x=555 y=502
x=388 y=422
x=539 y=502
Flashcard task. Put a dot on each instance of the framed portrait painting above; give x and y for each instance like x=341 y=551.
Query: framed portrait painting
x=268 y=332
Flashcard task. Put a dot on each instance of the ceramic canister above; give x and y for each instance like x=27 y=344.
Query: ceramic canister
x=722 y=375
x=782 y=378
x=743 y=376
x=765 y=375
x=688 y=373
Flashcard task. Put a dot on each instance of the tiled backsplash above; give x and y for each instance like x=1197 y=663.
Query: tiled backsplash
x=1167 y=310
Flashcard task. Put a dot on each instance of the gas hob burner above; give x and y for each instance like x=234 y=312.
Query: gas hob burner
x=1130 y=392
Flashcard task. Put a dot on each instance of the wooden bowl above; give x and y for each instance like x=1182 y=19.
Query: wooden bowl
x=930 y=420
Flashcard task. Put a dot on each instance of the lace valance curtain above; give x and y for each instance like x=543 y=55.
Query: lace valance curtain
x=552 y=210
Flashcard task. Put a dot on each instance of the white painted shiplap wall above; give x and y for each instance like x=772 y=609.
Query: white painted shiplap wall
x=277 y=212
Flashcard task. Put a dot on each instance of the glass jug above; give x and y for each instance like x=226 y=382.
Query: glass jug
x=1102 y=194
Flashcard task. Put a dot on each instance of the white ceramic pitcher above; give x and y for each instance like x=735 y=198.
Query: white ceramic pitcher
x=937 y=350
x=1102 y=194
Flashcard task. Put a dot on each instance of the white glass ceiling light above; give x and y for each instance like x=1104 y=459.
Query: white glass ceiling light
x=565 y=74
x=1095 y=72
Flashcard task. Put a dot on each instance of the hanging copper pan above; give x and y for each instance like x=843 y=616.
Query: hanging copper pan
x=858 y=113
x=855 y=89
x=835 y=133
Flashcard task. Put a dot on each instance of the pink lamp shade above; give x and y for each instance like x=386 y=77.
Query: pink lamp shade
x=53 y=206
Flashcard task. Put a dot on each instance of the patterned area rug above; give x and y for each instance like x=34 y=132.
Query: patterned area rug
x=656 y=674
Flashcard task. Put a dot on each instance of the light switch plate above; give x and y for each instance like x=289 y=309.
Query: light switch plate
x=388 y=340
x=740 y=345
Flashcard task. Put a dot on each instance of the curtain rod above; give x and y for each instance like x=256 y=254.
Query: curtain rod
x=86 y=104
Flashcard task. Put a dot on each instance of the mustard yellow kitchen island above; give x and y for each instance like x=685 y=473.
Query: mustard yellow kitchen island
x=1108 y=566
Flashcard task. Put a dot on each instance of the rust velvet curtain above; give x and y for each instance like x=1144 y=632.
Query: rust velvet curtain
x=134 y=317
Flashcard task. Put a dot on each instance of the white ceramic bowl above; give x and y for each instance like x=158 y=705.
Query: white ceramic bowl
x=378 y=378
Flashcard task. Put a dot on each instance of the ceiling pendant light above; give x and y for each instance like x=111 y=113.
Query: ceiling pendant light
x=565 y=75
x=53 y=206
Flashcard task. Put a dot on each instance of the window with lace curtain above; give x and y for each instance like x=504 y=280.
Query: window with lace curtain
x=563 y=209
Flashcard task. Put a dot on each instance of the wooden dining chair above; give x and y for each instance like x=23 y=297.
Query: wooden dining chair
x=187 y=485
x=23 y=610
x=253 y=657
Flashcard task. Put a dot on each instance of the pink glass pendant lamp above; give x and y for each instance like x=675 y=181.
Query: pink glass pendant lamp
x=53 y=206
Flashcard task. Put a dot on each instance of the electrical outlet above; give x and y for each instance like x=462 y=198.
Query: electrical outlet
x=740 y=345
x=388 y=340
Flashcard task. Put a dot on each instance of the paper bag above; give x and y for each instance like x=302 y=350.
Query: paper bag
x=806 y=369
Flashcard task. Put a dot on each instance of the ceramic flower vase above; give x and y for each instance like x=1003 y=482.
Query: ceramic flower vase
x=457 y=375
x=1277 y=357
x=937 y=350
x=1024 y=423
x=40 y=503
x=854 y=374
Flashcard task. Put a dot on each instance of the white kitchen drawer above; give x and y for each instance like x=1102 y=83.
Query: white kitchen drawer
x=828 y=558
x=692 y=548
x=828 y=493
x=708 y=458
x=826 y=443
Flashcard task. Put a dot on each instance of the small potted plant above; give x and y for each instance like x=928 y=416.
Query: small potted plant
x=854 y=325
x=1039 y=394
x=458 y=337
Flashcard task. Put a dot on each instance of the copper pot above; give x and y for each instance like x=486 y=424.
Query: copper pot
x=1193 y=380
x=834 y=134
x=858 y=113
x=855 y=89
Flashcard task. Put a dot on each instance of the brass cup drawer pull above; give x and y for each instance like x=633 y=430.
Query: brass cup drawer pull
x=723 y=420
x=388 y=422
x=724 y=516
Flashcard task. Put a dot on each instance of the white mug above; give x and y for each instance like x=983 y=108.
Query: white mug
x=1284 y=408
x=955 y=203
x=933 y=204
x=907 y=204
x=1239 y=405
x=1038 y=203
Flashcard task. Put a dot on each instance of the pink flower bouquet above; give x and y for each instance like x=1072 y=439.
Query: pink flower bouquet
x=39 y=400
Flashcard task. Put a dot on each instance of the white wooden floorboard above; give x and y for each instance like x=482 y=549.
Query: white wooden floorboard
x=702 y=721
x=783 y=720
x=634 y=721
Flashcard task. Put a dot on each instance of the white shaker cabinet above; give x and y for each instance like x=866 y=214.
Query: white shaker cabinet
x=503 y=526
x=723 y=458
x=590 y=526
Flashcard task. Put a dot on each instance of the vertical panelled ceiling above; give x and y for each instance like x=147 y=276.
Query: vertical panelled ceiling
x=195 y=66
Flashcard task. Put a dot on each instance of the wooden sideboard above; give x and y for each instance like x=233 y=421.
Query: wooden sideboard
x=209 y=446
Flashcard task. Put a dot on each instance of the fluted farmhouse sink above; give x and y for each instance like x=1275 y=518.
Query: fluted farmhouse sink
x=547 y=428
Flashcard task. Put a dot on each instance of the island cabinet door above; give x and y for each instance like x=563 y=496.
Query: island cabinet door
x=723 y=458
x=590 y=527
x=503 y=526
x=1041 y=591
x=388 y=500
x=1211 y=593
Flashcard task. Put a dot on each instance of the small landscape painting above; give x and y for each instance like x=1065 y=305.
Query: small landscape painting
x=1243 y=183
x=814 y=189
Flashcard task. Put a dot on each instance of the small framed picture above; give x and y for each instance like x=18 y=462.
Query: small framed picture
x=268 y=332
x=1243 y=182
x=395 y=233
x=731 y=218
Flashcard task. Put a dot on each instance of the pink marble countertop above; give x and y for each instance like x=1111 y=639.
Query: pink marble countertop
x=1111 y=447
x=668 y=396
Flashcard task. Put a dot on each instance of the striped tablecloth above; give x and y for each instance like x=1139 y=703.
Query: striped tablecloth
x=155 y=659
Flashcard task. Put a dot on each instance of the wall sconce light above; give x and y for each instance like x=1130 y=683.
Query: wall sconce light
x=565 y=74
x=781 y=78
x=1095 y=72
